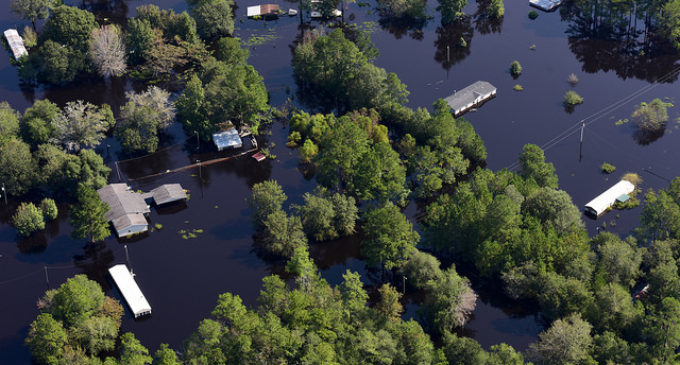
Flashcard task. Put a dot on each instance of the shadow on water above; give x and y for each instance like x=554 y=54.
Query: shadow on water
x=483 y=23
x=401 y=26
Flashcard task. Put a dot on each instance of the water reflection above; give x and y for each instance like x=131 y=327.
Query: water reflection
x=401 y=26
x=483 y=23
x=453 y=42
x=95 y=261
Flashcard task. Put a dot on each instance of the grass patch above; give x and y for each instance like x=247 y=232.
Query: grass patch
x=518 y=87
x=607 y=168
x=158 y=226
x=633 y=178
x=572 y=98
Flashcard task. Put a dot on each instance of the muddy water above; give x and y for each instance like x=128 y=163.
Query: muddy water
x=182 y=278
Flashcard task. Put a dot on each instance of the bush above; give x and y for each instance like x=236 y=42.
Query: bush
x=572 y=98
x=518 y=87
x=515 y=69
x=49 y=209
x=533 y=14
x=651 y=116
x=572 y=79
x=28 y=219
x=633 y=178
x=607 y=168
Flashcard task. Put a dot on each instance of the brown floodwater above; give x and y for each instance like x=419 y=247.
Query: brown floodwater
x=182 y=278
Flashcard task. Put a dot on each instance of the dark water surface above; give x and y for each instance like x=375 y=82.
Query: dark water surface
x=182 y=278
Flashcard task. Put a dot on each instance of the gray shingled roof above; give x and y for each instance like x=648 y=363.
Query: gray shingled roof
x=168 y=193
x=125 y=206
x=469 y=94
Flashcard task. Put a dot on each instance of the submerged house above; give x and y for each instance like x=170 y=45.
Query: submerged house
x=545 y=5
x=227 y=139
x=604 y=201
x=265 y=11
x=16 y=43
x=130 y=290
x=127 y=209
x=470 y=97
x=167 y=193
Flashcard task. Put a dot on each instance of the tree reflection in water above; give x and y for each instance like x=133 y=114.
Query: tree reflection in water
x=483 y=23
x=449 y=50
x=401 y=26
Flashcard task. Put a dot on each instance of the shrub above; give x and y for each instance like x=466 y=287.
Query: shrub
x=533 y=14
x=28 y=219
x=572 y=79
x=49 y=209
x=651 y=116
x=572 y=98
x=607 y=168
x=515 y=69
x=633 y=178
x=518 y=87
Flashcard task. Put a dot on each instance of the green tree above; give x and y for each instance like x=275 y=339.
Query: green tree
x=107 y=51
x=87 y=216
x=515 y=69
x=389 y=305
x=504 y=354
x=282 y=234
x=660 y=218
x=75 y=301
x=36 y=126
x=451 y=10
x=57 y=66
x=664 y=330
x=496 y=10
x=214 y=18
x=556 y=207
x=132 y=352
x=46 y=339
x=610 y=349
x=572 y=98
x=267 y=198
x=462 y=350
x=17 y=167
x=389 y=237
x=449 y=301
x=317 y=215
x=532 y=164
x=33 y=9
x=192 y=110
x=229 y=50
x=651 y=116
x=95 y=334
x=308 y=151
x=142 y=117
x=567 y=341
x=618 y=261
x=9 y=121
x=670 y=22
x=422 y=268
x=612 y=309
x=165 y=356
x=80 y=125
x=139 y=39
x=340 y=151
x=49 y=209
x=28 y=219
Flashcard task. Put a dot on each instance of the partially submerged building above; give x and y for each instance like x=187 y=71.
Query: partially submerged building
x=127 y=209
x=470 y=97
x=545 y=5
x=130 y=290
x=265 y=11
x=16 y=43
x=604 y=201
x=227 y=139
x=167 y=193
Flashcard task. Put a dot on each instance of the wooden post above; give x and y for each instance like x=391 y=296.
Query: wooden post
x=47 y=277
x=580 y=149
x=127 y=259
x=403 y=284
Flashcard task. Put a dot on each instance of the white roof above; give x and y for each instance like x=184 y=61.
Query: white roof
x=607 y=199
x=131 y=292
x=228 y=138
x=253 y=10
x=546 y=5
x=16 y=43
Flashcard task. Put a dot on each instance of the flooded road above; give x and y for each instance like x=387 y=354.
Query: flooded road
x=182 y=278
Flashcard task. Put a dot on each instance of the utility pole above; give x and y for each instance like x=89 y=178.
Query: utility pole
x=127 y=258
x=580 y=149
x=403 y=283
x=118 y=171
x=198 y=142
x=108 y=150
x=4 y=193
x=448 y=54
x=47 y=277
x=200 y=176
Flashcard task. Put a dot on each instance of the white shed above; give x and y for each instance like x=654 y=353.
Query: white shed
x=130 y=290
x=16 y=43
x=605 y=200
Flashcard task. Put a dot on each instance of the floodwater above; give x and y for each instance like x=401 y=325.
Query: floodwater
x=182 y=278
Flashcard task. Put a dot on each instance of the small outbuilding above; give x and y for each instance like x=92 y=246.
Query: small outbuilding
x=130 y=290
x=168 y=193
x=227 y=139
x=265 y=10
x=470 y=97
x=16 y=43
x=127 y=209
x=545 y=5
x=602 y=202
